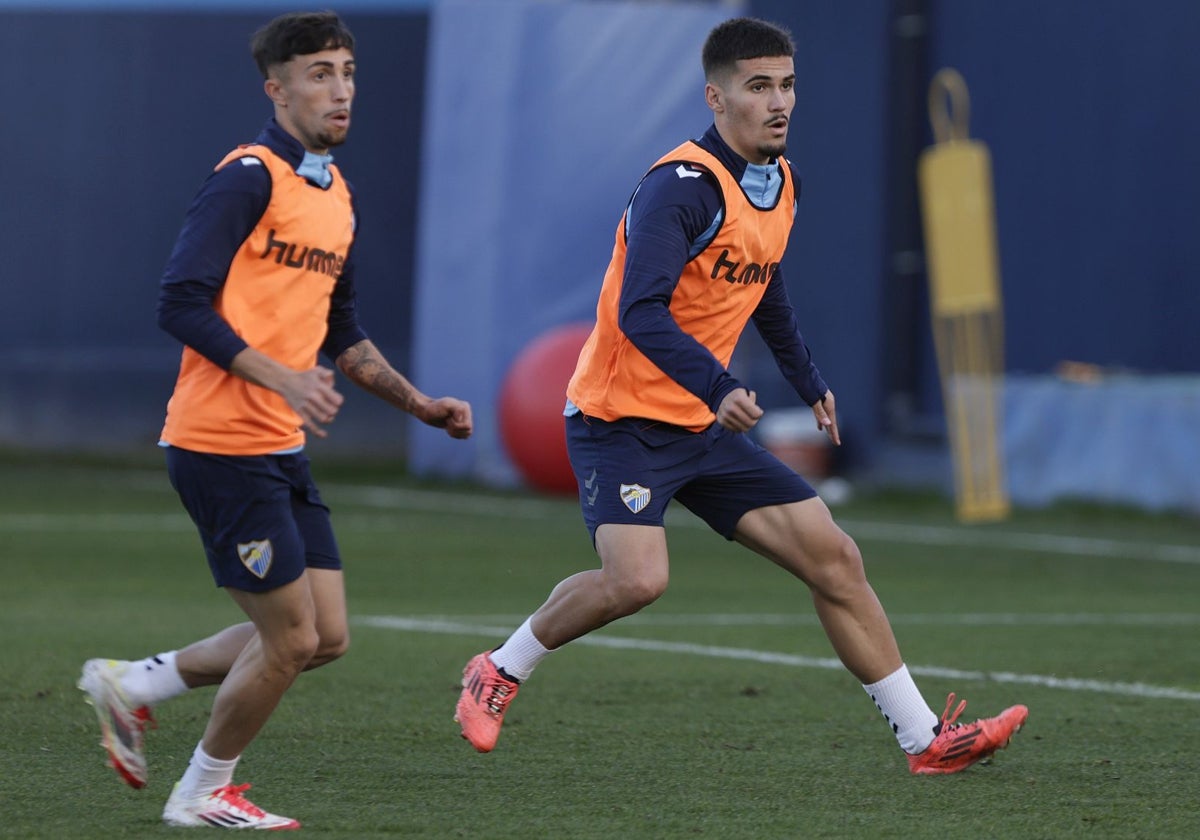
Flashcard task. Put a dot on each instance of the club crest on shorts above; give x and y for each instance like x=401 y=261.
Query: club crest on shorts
x=256 y=556
x=635 y=496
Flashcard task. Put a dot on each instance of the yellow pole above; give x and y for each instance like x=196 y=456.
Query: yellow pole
x=958 y=214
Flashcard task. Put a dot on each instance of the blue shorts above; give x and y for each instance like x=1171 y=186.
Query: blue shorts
x=260 y=517
x=629 y=469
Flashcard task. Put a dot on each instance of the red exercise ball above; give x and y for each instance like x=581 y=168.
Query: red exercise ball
x=531 y=402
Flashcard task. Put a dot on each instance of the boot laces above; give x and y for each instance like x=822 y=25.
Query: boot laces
x=232 y=796
x=498 y=697
x=948 y=719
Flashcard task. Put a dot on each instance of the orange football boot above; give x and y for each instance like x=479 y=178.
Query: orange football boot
x=485 y=696
x=959 y=745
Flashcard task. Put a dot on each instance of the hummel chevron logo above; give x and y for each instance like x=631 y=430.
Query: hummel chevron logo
x=589 y=485
x=683 y=172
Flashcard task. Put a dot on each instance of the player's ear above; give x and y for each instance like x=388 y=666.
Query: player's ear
x=714 y=96
x=273 y=87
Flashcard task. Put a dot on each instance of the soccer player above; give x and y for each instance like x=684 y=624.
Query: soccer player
x=261 y=278
x=653 y=413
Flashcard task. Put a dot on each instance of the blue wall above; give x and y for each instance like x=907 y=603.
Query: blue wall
x=1089 y=109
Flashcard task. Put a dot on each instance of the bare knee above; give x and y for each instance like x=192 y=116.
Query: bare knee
x=629 y=594
x=837 y=573
x=331 y=646
x=290 y=653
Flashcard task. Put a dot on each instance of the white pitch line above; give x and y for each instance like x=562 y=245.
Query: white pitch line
x=647 y=619
x=459 y=628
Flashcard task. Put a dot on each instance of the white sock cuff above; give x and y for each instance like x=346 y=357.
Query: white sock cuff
x=902 y=705
x=151 y=680
x=521 y=653
x=206 y=762
x=897 y=678
x=204 y=774
x=170 y=672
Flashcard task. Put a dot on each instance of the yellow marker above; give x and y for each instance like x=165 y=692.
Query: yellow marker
x=958 y=213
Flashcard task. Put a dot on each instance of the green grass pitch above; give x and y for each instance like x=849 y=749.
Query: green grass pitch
x=714 y=713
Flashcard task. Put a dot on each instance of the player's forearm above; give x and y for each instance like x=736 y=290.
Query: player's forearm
x=259 y=368
x=365 y=366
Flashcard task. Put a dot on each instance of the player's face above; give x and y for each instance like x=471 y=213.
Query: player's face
x=312 y=95
x=753 y=105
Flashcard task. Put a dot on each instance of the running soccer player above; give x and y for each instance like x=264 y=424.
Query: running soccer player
x=653 y=413
x=261 y=278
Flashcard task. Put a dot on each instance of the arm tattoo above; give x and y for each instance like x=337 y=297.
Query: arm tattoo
x=363 y=364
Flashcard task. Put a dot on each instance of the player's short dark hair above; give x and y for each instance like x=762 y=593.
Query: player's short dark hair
x=741 y=38
x=298 y=33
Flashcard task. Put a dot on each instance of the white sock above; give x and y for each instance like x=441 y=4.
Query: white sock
x=912 y=720
x=205 y=774
x=520 y=654
x=151 y=680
